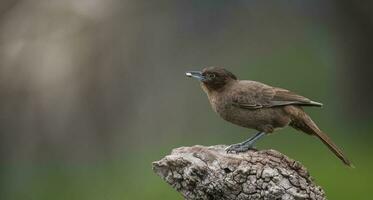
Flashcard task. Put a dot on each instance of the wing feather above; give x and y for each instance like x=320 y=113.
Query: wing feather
x=255 y=95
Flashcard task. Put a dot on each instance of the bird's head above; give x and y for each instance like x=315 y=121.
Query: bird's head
x=213 y=78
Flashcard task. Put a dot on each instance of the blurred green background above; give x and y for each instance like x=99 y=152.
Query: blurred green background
x=93 y=91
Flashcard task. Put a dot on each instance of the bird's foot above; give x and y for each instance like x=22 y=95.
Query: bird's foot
x=239 y=147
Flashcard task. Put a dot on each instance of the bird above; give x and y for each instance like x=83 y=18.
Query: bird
x=259 y=106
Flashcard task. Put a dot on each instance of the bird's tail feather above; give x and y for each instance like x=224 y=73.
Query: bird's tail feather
x=304 y=123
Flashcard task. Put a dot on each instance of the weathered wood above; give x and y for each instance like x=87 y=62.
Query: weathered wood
x=207 y=173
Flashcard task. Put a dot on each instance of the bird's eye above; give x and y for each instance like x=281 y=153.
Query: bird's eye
x=210 y=76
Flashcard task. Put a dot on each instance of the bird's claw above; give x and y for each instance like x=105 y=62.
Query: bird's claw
x=238 y=148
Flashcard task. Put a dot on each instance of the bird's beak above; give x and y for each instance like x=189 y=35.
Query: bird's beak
x=195 y=74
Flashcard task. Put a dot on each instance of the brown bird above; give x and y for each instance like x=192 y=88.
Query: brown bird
x=258 y=106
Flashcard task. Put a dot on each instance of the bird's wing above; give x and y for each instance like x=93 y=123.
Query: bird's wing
x=255 y=95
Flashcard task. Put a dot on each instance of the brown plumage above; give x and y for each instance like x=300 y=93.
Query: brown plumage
x=258 y=106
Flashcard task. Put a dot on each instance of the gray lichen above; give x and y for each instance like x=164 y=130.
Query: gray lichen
x=207 y=173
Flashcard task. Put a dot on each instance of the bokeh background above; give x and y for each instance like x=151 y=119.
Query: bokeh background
x=93 y=91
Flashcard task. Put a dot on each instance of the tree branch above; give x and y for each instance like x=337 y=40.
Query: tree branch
x=207 y=173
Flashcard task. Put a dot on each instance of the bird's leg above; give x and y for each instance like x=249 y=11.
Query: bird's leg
x=245 y=145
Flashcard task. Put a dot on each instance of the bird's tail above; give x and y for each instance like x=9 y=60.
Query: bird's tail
x=304 y=123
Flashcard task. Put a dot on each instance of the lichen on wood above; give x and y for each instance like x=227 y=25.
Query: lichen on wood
x=209 y=173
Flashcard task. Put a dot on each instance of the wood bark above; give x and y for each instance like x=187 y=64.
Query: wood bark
x=207 y=173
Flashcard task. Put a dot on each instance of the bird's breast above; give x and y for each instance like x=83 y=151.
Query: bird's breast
x=223 y=106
